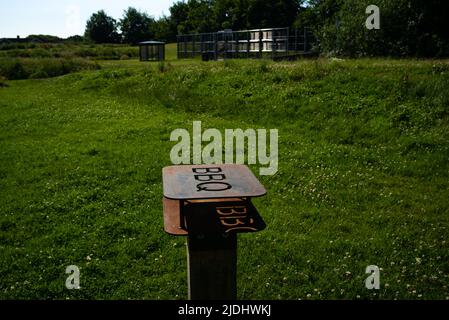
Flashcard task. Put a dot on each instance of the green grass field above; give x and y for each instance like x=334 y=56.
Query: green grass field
x=363 y=177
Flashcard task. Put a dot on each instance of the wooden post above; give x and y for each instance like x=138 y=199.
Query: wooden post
x=212 y=267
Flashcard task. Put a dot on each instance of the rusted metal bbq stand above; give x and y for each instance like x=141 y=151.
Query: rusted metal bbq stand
x=210 y=204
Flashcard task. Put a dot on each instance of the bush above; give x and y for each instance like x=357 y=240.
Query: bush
x=40 y=53
x=15 y=69
x=40 y=74
x=407 y=28
x=12 y=70
x=67 y=50
x=164 y=67
x=3 y=82
x=43 y=38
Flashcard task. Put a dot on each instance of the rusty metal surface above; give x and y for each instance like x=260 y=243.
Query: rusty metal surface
x=213 y=200
x=223 y=217
x=172 y=218
x=206 y=218
x=210 y=181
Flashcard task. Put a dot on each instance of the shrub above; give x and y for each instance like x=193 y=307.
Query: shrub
x=3 y=82
x=161 y=66
x=408 y=28
x=67 y=50
x=14 y=69
x=40 y=53
x=40 y=74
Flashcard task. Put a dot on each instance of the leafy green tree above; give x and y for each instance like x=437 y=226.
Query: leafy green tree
x=179 y=13
x=101 y=28
x=212 y=15
x=253 y=14
x=136 y=26
x=43 y=38
x=75 y=39
x=231 y=14
x=407 y=28
x=194 y=16
x=272 y=13
x=201 y=16
x=162 y=30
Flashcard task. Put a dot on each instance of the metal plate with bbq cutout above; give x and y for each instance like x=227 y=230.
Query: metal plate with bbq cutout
x=218 y=216
x=210 y=182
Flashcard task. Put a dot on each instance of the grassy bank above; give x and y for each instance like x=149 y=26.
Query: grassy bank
x=363 y=177
x=35 y=61
x=68 y=50
x=44 y=60
x=39 y=68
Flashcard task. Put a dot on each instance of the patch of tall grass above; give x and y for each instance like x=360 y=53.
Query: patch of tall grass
x=32 y=68
x=59 y=50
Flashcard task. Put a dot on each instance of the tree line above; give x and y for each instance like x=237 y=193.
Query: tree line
x=408 y=27
x=192 y=16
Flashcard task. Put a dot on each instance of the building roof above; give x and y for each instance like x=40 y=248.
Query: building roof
x=151 y=42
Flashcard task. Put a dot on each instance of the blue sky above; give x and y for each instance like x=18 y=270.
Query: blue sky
x=64 y=18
